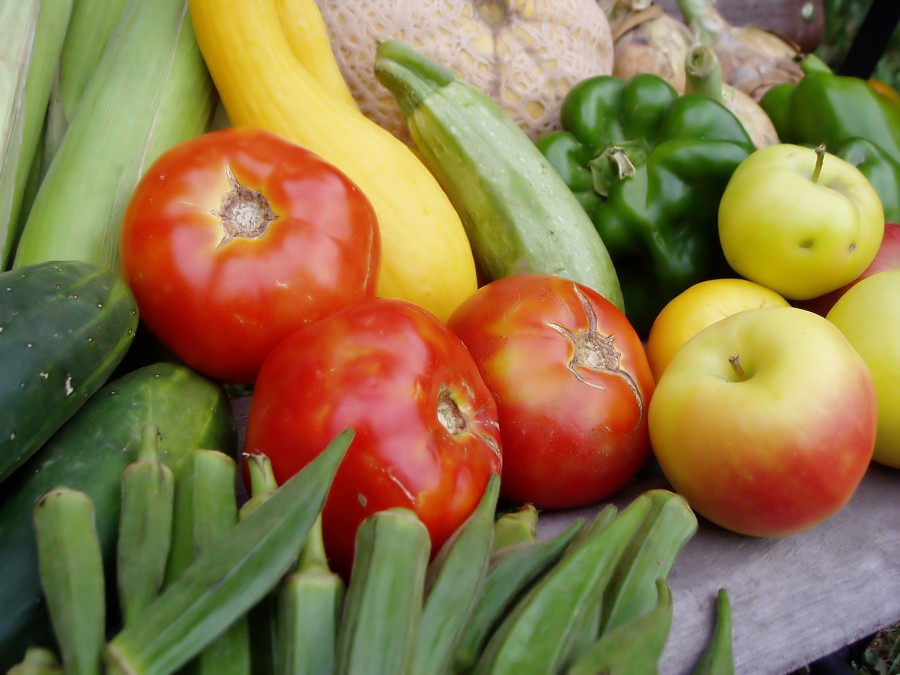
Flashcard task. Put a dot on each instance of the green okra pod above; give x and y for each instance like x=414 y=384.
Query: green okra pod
x=718 y=656
x=262 y=481
x=452 y=584
x=145 y=527
x=206 y=509
x=543 y=628
x=383 y=604
x=510 y=572
x=309 y=608
x=650 y=555
x=229 y=576
x=71 y=571
x=632 y=647
x=205 y=506
x=263 y=617
x=515 y=527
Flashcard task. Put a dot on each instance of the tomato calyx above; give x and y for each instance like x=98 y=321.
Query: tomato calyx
x=244 y=212
x=595 y=352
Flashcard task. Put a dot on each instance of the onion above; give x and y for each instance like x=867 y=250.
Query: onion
x=752 y=59
x=704 y=76
x=647 y=40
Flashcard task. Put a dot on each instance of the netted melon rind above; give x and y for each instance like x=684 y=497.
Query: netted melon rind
x=527 y=64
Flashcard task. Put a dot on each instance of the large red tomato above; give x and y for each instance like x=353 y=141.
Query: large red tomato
x=237 y=237
x=426 y=425
x=572 y=385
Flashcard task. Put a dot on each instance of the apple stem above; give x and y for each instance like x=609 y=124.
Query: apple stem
x=735 y=361
x=820 y=159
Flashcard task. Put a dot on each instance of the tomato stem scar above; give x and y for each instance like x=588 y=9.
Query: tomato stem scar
x=244 y=212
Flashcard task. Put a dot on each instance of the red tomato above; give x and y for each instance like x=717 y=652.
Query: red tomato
x=572 y=385
x=236 y=238
x=426 y=425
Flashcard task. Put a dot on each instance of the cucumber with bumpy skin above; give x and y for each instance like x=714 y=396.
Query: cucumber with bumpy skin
x=64 y=327
x=518 y=213
x=89 y=454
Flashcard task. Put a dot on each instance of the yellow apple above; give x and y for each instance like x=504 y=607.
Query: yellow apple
x=802 y=222
x=868 y=314
x=887 y=258
x=765 y=421
x=696 y=308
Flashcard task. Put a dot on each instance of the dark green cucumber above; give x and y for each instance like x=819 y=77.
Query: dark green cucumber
x=64 y=327
x=518 y=213
x=89 y=454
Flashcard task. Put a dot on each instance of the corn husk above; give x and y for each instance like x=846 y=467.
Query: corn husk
x=150 y=91
x=33 y=34
x=90 y=27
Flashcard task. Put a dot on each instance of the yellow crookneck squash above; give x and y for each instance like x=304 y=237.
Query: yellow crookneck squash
x=306 y=33
x=426 y=256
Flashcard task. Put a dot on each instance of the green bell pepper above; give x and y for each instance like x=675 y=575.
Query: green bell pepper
x=649 y=166
x=853 y=120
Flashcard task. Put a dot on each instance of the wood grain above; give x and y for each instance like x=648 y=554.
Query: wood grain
x=794 y=600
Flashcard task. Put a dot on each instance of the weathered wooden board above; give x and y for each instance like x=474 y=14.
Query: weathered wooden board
x=794 y=600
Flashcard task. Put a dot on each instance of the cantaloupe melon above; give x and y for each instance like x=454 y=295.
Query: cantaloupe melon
x=526 y=54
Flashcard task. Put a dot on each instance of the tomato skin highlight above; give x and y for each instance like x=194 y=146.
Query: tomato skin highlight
x=573 y=431
x=221 y=305
x=384 y=367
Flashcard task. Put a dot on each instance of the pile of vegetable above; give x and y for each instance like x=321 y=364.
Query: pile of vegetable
x=200 y=583
x=469 y=262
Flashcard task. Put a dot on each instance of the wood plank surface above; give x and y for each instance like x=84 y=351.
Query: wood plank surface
x=794 y=600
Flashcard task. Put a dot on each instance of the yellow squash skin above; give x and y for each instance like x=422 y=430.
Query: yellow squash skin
x=306 y=33
x=426 y=256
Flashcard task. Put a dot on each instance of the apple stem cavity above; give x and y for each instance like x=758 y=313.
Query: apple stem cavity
x=740 y=373
x=820 y=159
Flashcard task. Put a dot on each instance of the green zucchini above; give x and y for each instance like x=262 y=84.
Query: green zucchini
x=518 y=213
x=64 y=327
x=89 y=454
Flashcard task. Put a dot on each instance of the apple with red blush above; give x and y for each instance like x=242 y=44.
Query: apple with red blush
x=887 y=258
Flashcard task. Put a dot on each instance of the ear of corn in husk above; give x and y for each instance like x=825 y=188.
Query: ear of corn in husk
x=90 y=27
x=150 y=90
x=33 y=31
